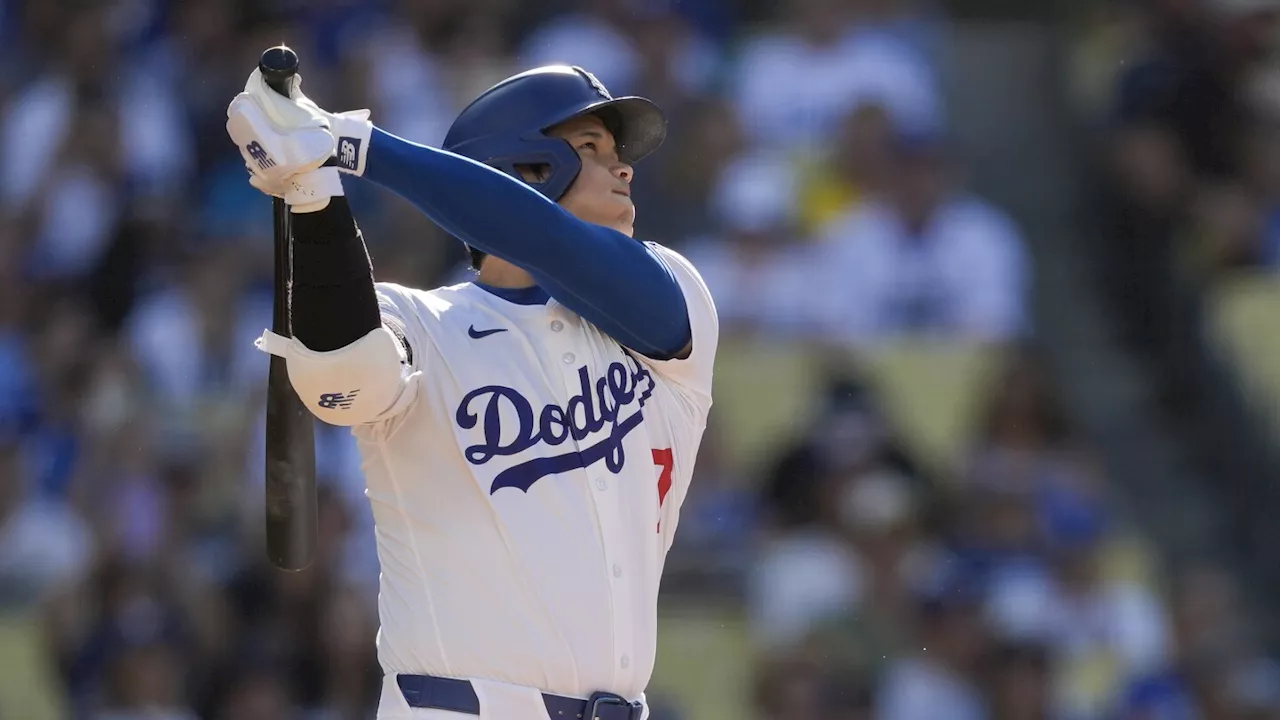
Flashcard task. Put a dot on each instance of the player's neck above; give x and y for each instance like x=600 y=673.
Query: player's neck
x=498 y=273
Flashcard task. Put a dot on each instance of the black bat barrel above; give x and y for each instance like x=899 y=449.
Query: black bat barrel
x=291 y=512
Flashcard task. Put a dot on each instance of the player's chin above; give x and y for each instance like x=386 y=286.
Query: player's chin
x=625 y=219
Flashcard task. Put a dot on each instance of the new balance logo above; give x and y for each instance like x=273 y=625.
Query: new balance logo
x=338 y=401
x=477 y=334
x=349 y=152
x=259 y=155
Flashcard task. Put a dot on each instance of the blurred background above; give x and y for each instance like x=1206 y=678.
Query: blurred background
x=995 y=434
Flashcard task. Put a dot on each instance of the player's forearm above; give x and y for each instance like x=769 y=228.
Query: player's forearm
x=479 y=205
x=608 y=278
x=332 y=299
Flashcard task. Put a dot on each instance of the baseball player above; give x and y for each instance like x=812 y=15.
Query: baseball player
x=527 y=438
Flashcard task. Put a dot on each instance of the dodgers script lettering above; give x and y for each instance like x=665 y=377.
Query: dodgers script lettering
x=615 y=399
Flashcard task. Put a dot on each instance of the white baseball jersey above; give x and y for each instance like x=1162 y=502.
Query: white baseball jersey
x=526 y=488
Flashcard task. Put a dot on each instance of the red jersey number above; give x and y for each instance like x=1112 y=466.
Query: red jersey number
x=666 y=464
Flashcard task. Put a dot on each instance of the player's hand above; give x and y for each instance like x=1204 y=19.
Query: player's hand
x=278 y=137
x=351 y=129
x=304 y=192
x=262 y=110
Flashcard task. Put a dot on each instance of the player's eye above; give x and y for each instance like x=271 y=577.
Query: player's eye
x=588 y=144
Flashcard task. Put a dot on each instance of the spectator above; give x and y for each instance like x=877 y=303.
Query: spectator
x=1106 y=631
x=591 y=35
x=758 y=274
x=925 y=259
x=796 y=688
x=848 y=547
x=194 y=340
x=859 y=168
x=81 y=198
x=795 y=80
x=677 y=63
x=146 y=684
x=882 y=520
x=1186 y=81
x=1261 y=180
x=941 y=679
x=45 y=552
x=257 y=694
x=350 y=678
x=1023 y=439
x=18 y=401
x=408 y=87
x=1021 y=683
x=805 y=572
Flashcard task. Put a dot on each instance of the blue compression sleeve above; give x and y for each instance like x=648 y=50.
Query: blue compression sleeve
x=616 y=283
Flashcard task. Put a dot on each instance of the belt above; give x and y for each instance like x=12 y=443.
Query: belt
x=437 y=693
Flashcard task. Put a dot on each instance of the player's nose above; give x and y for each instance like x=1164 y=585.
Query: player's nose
x=624 y=172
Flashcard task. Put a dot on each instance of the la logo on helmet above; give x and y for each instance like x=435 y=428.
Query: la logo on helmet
x=595 y=83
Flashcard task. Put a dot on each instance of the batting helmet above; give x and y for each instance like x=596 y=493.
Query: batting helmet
x=506 y=126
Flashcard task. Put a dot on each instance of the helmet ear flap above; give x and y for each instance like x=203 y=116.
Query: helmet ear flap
x=554 y=153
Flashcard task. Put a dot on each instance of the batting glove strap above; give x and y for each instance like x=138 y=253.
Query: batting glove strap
x=351 y=131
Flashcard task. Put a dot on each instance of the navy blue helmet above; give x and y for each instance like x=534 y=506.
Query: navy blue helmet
x=505 y=127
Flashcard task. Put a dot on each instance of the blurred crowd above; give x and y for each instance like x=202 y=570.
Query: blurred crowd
x=1188 y=94
x=1015 y=589
x=811 y=176
x=1183 y=98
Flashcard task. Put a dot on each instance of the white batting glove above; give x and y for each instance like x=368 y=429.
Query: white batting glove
x=278 y=137
x=286 y=141
x=351 y=129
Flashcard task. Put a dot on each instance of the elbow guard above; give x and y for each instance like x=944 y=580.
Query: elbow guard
x=361 y=383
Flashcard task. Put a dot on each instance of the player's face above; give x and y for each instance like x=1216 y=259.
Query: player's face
x=602 y=192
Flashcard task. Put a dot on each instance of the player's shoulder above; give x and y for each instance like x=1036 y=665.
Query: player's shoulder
x=659 y=246
x=436 y=301
x=695 y=288
x=675 y=260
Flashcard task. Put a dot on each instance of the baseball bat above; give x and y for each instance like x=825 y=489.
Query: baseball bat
x=290 y=434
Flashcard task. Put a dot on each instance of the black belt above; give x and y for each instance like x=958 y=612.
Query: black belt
x=437 y=693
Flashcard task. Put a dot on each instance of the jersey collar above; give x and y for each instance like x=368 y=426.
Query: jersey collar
x=520 y=296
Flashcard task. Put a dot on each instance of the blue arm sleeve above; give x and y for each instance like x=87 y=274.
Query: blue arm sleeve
x=614 y=282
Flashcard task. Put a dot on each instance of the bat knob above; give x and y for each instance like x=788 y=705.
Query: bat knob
x=279 y=65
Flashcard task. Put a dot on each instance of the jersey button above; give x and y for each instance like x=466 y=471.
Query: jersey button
x=617 y=571
x=568 y=358
x=626 y=662
x=556 y=326
x=601 y=484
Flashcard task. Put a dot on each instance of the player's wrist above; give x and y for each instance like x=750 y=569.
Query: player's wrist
x=351 y=132
x=310 y=191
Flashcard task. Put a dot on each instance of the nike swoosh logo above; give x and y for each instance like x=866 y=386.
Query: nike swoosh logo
x=477 y=334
